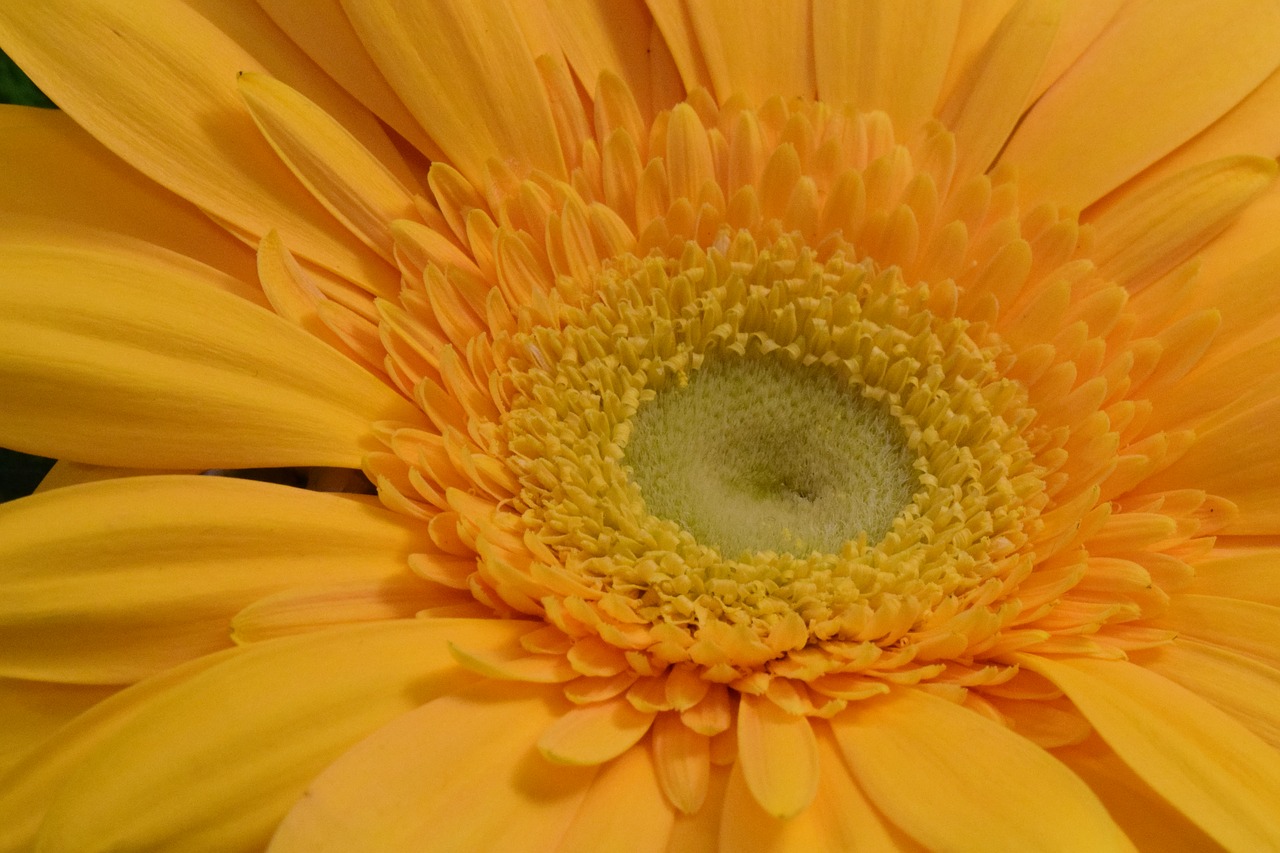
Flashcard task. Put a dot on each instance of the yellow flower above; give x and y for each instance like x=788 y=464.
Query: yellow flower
x=847 y=426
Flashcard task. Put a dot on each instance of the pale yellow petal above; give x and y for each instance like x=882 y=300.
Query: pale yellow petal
x=1217 y=772
x=1116 y=110
x=154 y=366
x=242 y=739
x=458 y=773
x=888 y=55
x=953 y=779
x=465 y=72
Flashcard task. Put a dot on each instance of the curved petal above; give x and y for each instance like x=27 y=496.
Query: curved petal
x=1242 y=569
x=885 y=55
x=155 y=367
x=623 y=810
x=322 y=29
x=1218 y=50
x=1241 y=686
x=458 y=773
x=176 y=115
x=109 y=582
x=242 y=739
x=1248 y=627
x=778 y=755
x=953 y=779
x=33 y=710
x=465 y=72
x=1146 y=817
x=1217 y=772
x=68 y=176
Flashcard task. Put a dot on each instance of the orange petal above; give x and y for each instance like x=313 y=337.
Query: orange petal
x=1103 y=118
x=623 y=810
x=453 y=774
x=778 y=754
x=171 y=372
x=593 y=734
x=759 y=48
x=1217 y=772
x=953 y=779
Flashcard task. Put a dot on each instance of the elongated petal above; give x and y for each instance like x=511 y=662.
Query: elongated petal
x=1248 y=571
x=33 y=710
x=466 y=74
x=1248 y=627
x=1221 y=775
x=27 y=789
x=839 y=819
x=322 y=29
x=182 y=122
x=1146 y=234
x=69 y=177
x=284 y=709
x=953 y=779
x=110 y=582
x=1108 y=131
x=1243 y=687
x=594 y=733
x=778 y=754
x=885 y=55
x=171 y=372
x=757 y=48
x=458 y=773
x=341 y=173
x=605 y=823
x=988 y=103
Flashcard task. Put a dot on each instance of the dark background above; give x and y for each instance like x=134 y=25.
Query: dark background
x=19 y=473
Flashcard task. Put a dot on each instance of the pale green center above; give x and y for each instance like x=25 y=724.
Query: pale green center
x=758 y=455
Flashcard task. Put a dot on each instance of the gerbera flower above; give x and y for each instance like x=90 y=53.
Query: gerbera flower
x=803 y=427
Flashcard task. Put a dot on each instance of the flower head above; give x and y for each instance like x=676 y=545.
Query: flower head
x=777 y=426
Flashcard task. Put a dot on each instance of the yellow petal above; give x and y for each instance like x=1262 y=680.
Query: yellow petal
x=1241 y=686
x=454 y=774
x=989 y=101
x=464 y=71
x=1224 y=461
x=757 y=48
x=1147 y=818
x=683 y=761
x=169 y=371
x=623 y=810
x=1221 y=775
x=64 y=473
x=322 y=29
x=953 y=779
x=885 y=55
x=67 y=176
x=1248 y=627
x=110 y=582
x=1114 y=112
x=27 y=788
x=1244 y=570
x=838 y=819
x=609 y=35
x=33 y=710
x=341 y=173
x=1144 y=235
x=242 y=739
x=778 y=754
x=593 y=734
x=183 y=123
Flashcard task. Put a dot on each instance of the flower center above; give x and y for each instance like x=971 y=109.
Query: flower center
x=757 y=455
